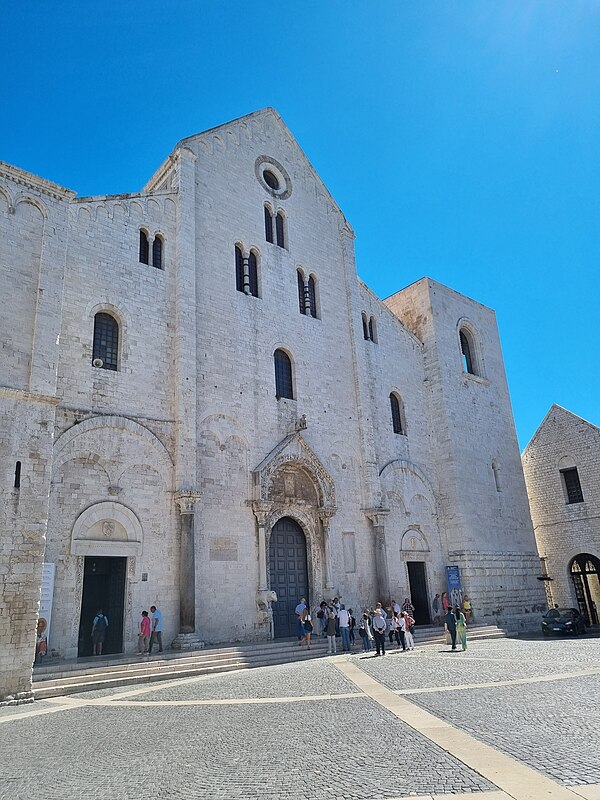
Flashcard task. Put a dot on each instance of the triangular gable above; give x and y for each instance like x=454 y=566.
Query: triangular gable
x=555 y=408
x=294 y=449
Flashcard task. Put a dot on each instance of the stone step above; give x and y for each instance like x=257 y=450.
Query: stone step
x=73 y=677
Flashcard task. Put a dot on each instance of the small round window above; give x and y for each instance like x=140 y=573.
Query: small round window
x=271 y=179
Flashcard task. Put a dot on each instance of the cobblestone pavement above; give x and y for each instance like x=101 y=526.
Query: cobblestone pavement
x=166 y=741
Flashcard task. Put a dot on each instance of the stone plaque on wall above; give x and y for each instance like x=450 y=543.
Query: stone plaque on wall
x=349 y=552
x=223 y=548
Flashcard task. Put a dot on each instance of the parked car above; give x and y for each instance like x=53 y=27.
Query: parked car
x=562 y=620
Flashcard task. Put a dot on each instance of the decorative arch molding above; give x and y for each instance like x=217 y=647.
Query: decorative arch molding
x=294 y=450
x=5 y=192
x=414 y=541
x=390 y=470
x=107 y=529
x=33 y=201
x=566 y=462
x=62 y=446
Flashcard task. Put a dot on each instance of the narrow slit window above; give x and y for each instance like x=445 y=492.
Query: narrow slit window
x=253 y=273
x=396 y=413
x=239 y=269
x=157 y=252
x=144 y=248
x=467 y=354
x=283 y=375
x=365 y=325
x=372 y=330
x=279 y=224
x=312 y=297
x=268 y=225
x=18 y=475
x=301 y=301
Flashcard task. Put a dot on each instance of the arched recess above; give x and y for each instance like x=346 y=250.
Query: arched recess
x=584 y=570
x=292 y=482
x=73 y=440
x=107 y=529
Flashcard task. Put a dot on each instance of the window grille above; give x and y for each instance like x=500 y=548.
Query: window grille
x=301 y=301
x=572 y=485
x=106 y=341
x=283 y=375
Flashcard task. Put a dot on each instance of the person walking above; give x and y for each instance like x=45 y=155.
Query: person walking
x=344 y=626
x=436 y=604
x=379 y=632
x=331 y=647
x=408 y=636
x=157 y=626
x=322 y=615
x=394 y=632
x=307 y=625
x=445 y=603
x=144 y=634
x=402 y=630
x=364 y=631
x=99 y=628
x=461 y=627
x=468 y=609
x=351 y=626
x=450 y=621
x=299 y=610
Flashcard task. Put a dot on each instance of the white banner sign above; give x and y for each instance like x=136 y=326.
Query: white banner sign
x=43 y=626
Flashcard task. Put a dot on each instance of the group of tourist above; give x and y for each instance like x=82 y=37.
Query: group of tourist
x=441 y=604
x=397 y=623
x=149 y=633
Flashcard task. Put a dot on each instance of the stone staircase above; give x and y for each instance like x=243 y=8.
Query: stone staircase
x=106 y=672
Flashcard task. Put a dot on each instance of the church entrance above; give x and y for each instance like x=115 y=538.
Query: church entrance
x=288 y=574
x=585 y=574
x=103 y=587
x=418 y=591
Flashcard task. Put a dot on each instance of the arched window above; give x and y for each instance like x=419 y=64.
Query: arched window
x=239 y=269
x=279 y=228
x=468 y=352
x=253 y=273
x=301 y=299
x=372 y=329
x=268 y=225
x=105 y=350
x=312 y=296
x=396 y=407
x=144 y=248
x=365 y=327
x=157 y=252
x=283 y=375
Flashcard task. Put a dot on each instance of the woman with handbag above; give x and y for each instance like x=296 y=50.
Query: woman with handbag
x=307 y=625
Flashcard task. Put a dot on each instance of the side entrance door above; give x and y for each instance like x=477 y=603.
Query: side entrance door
x=288 y=574
x=103 y=587
x=418 y=591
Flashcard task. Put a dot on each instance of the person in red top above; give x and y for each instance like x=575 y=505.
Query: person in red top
x=144 y=635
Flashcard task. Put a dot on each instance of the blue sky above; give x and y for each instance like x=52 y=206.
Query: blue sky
x=460 y=137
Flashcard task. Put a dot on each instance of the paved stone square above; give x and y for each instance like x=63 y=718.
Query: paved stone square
x=327 y=729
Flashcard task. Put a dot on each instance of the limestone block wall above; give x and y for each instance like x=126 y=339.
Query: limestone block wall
x=563 y=530
x=33 y=236
x=475 y=454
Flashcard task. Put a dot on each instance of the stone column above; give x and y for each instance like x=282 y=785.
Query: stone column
x=264 y=596
x=377 y=517
x=325 y=515
x=186 y=502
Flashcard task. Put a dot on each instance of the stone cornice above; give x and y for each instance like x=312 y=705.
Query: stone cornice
x=31 y=181
x=34 y=397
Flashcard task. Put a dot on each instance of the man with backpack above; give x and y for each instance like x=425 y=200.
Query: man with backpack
x=99 y=627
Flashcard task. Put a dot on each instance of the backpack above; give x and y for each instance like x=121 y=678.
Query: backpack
x=101 y=624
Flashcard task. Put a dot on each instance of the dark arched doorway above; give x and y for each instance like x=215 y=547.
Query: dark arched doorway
x=585 y=573
x=288 y=574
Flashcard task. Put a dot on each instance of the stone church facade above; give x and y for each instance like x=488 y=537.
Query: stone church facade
x=562 y=473
x=207 y=409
